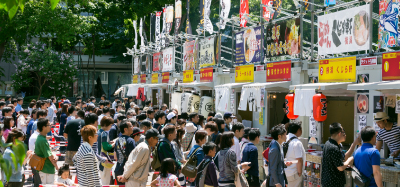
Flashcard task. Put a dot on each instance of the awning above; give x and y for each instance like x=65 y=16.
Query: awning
x=164 y=85
x=388 y=86
x=200 y=85
x=232 y=85
x=329 y=89
x=363 y=86
x=271 y=86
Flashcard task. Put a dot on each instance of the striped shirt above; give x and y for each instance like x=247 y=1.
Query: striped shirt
x=390 y=137
x=86 y=165
x=94 y=147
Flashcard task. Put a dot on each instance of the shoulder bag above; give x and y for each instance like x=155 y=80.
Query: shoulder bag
x=359 y=179
x=37 y=162
x=190 y=167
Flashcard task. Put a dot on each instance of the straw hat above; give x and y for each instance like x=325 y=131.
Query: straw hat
x=380 y=116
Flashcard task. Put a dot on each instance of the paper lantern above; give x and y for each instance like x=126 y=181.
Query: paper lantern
x=193 y=104
x=206 y=105
x=289 y=103
x=185 y=102
x=176 y=101
x=319 y=107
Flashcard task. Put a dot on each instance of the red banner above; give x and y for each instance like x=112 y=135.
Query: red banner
x=244 y=9
x=143 y=78
x=279 y=71
x=206 y=74
x=165 y=77
x=156 y=61
x=369 y=61
x=390 y=66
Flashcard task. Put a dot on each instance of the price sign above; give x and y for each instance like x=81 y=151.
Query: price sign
x=165 y=77
x=135 y=79
x=279 y=71
x=244 y=73
x=206 y=74
x=188 y=76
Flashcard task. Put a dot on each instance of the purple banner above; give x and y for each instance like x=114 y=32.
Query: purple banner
x=248 y=46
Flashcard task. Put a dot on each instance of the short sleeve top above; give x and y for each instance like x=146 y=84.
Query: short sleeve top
x=168 y=181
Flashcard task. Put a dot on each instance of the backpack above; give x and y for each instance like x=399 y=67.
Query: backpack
x=156 y=162
x=190 y=167
x=285 y=146
x=202 y=172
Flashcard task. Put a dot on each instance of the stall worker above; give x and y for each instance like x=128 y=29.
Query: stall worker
x=388 y=133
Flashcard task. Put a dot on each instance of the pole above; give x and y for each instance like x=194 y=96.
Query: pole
x=233 y=38
x=370 y=30
x=262 y=34
x=301 y=33
x=219 y=37
x=312 y=33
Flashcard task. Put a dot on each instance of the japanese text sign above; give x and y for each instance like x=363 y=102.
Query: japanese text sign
x=157 y=59
x=279 y=71
x=143 y=78
x=344 y=31
x=154 y=78
x=206 y=74
x=168 y=59
x=248 y=46
x=207 y=53
x=390 y=66
x=283 y=38
x=244 y=73
x=369 y=61
x=337 y=70
x=135 y=79
x=188 y=76
x=188 y=53
x=165 y=77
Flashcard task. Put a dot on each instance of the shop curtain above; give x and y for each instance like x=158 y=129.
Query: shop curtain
x=185 y=101
x=206 y=105
x=132 y=90
x=141 y=94
x=223 y=100
x=176 y=101
x=252 y=96
x=303 y=102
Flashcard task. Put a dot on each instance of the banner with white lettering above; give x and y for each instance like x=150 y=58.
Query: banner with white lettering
x=207 y=56
x=225 y=8
x=168 y=59
x=134 y=27
x=208 y=26
x=178 y=15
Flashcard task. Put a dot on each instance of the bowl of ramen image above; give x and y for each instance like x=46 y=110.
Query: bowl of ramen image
x=250 y=44
x=361 y=28
x=362 y=103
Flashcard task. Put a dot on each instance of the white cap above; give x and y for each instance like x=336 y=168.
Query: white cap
x=170 y=115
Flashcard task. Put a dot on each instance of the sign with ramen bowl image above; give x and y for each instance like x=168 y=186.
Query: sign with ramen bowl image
x=248 y=46
x=362 y=103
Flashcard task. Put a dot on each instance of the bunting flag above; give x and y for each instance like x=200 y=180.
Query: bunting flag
x=225 y=7
x=178 y=15
x=152 y=28
x=267 y=15
x=208 y=26
x=169 y=19
x=135 y=29
x=144 y=31
x=188 y=28
x=141 y=36
x=244 y=9
x=157 y=31
x=164 y=30
x=201 y=11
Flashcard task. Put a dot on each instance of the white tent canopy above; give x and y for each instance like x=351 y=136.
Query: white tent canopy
x=328 y=89
x=200 y=85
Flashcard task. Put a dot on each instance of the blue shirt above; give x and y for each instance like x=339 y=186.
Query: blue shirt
x=199 y=153
x=365 y=157
x=29 y=130
x=18 y=108
x=250 y=154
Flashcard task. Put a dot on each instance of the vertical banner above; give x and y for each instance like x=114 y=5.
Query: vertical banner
x=144 y=31
x=169 y=19
x=135 y=29
x=201 y=12
x=143 y=78
x=283 y=38
x=178 y=15
x=165 y=77
x=196 y=50
x=136 y=65
x=157 y=59
x=208 y=26
x=225 y=8
x=188 y=76
x=141 y=35
x=337 y=70
x=279 y=71
x=388 y=32
x=188 y=28
x=267 y=15
x=168 y=59
x=135 y=79
x=217 y=47
x=154 y=78
x=244 y=9
x=248 y=46
x=157 y=31
x=206 y=74
x=390 y=66
x=152 y=28
x=188 y=62
x=164 y=29
x=244 y=73
x=207 y=57
x=145 y=64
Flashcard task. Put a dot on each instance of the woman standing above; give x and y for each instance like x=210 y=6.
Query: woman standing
x=22 y=122
x=8 y=123
x=197 y=150
x=71 y=113
x=63 y=118
x=178 y=151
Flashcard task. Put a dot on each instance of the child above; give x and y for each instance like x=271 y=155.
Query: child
x=166 y=178
x=207 y=172
x=64 y=177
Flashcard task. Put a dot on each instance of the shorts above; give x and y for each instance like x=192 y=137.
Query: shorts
x=68 y=157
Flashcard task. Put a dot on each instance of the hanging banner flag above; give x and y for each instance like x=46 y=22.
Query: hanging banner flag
x=206 y=74
x=344 y=31
x=141 y=36
x=244 y=9
x=135 y=79
x=136 y=65
x=283 y=38
x=244 y=73
x=145 y=64
x=152 y=28
x=188 y=76
x=196 y=50
x=279 y=71
x=164 y=29
x=248 y=46
x=165 y=77
x=188 y=62
x=201 y=12
x=217 y=47
x=337 y=70
x=207 y=57
x=188 y=28
x=225 y=8
x=388 y=33
x=208 y=26
x=178 y=15
x=134 y=27
x=144 y=31
x=157 y=59
x=390 y=66
x=267 y=15
x=143 y=78
x=168 y=59
x=154 y=78
x=169 y=19
x=157 y=31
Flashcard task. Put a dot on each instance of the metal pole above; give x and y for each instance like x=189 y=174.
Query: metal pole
x=370 y=30
x=312 y=33
x=219 y=36
x=233 y=38
x=182 y=54
x=301 y=33
x=262 y=34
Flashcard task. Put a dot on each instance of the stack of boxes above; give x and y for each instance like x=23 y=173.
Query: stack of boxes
x=312 y=175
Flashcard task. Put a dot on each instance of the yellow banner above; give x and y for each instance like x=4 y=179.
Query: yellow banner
x=135 y=79
x=337 y=70
x=244 y=73
x=154 y=78
x=188 y=76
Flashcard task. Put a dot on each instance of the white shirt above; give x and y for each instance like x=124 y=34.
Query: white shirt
x=236 y=148
x=53 y=106
x=295 y=150
x=22 y=123
x=114 y=104
x=100 y=117
x=32 y=140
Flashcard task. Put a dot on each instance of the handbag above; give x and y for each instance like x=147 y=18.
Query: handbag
x=359 y=179
x=37 y=162
x=190 y=167
x=240 y=179
x=108 y=155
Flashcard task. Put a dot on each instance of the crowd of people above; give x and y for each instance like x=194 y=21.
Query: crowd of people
x=121 y=142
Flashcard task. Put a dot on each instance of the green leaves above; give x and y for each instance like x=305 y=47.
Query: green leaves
x=11 y=6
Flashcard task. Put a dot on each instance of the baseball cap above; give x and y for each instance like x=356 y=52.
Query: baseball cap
x=380 y=116
x=67 y=102
x=153 y=133
x=218 y=115
x=170 y=115
x=136 y=131
x=228 y=115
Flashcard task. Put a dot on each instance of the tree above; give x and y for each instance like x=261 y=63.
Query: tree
x=18 y=155
x=40 y=66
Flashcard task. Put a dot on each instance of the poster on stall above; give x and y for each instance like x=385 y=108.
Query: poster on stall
x=135 y=79
x=279 y=71
x=157 y=59
x=248 y=46
x=363 y=78
x=143 y=78
x=362 y=122
x=224 y=13
x=283 y=38
x=207 y=57
x=188 y=76
x=390 y=66
x=397 y=103
x=376 y=127
x=165 y=77
x=313 y=130
x=362 y=103
x=206 y=74
x=378 y=104
x=168 y=59
x=337 y=70
x=154 y=78
x=388 y=31
x=136 y=65
x=188 y=62
x=369 y=61
x=261 y=117
x=390 y=101
x=344 y=31
x=144 y=66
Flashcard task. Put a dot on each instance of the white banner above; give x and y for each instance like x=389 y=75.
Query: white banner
x=168 y=59
x=141 y=32
x=134 y=27
x=226 y=6
x=136 y=65
x=158 y=28
x=169 y=19
x=207 y=56
x=208 y=26
x=344 y=31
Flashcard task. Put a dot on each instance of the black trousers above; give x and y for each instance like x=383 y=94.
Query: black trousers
x=36 y=178
x=253 y=181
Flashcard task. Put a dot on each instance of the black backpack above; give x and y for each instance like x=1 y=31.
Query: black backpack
x=285 y=146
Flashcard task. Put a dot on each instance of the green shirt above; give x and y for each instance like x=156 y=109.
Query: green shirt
x=42 y=149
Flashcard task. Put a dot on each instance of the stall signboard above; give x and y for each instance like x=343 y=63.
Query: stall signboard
x=188 y=60
x=390 y=66
x=154 y=78
x=207 y=56
x=244 y=73
x=165 y=77
x=135 y=79
x=248 y=46
x=143 y=78
x=144 y=66
x=136 y=66
x=188 y=76
x=206 y=74
x=337 y=70
x=157 y=59
x=279 y=71
x=388 y=30
x=369 y=61
x=344 y=31
x=168 y=59
x=283 y=38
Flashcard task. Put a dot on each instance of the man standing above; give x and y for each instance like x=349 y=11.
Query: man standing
x=388 y=133
x=123 y=147
x=144 y=126
x=295 y=152
x=172 y=118
x=150 y=116
x=160 y=121
x=71 y=132
x=250 y=154
x=332 y=158
x=106 y=112
x=165 y=148
x=114 y=104
x=238 y=130
x=276 y=164
x=18 y=108
x=367 y=159
x=53 y=106
x=194 y=118
x=228 y=120
x=136 y=169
